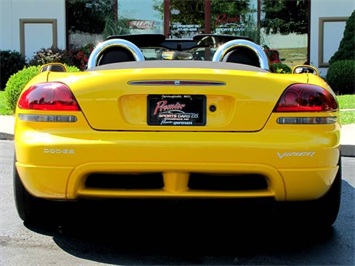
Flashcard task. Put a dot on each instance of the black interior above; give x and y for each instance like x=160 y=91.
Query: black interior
x=242 y=55
x=115 y=55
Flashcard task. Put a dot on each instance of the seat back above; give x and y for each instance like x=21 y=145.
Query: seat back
x=242 y=55
x=115 y=54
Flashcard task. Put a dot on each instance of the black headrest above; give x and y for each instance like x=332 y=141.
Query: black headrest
x=115 y=55
x=242 y=55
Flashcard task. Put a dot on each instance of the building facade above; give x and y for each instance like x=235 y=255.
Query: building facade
x=30 y=25
x=327 y=24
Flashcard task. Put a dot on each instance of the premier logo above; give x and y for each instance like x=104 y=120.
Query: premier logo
x=163 y=106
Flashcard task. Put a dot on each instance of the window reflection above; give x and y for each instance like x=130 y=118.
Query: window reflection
x=141 y=16
x=91 y=21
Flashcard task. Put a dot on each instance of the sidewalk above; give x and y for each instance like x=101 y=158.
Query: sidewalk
x=347 y=135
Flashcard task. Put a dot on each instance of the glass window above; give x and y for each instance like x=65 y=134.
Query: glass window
x=91 y=21
x=233 y=17
x=141 y=16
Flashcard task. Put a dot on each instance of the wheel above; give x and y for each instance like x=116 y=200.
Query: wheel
x=320 y=213
x=29 y=208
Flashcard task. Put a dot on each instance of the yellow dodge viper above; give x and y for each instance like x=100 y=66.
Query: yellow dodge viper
x=192 y=119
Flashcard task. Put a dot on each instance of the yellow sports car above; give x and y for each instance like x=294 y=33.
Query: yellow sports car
x=191 y=119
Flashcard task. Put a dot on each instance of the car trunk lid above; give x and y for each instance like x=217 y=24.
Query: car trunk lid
x=177 y=98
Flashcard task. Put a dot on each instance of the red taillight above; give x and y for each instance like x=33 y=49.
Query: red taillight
x=53 y=96
x=306 y=98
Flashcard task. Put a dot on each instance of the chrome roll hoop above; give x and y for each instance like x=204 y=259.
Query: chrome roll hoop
x=233 y=44
x=102 y=47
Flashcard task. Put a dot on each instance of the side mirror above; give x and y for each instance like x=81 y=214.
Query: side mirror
x=55 y=67
x=300 y=69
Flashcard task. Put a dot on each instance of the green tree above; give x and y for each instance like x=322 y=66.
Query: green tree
x=285 y=16
x=88 y=15
x=346 y=50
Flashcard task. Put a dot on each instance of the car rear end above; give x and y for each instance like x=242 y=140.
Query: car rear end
x=177 y=130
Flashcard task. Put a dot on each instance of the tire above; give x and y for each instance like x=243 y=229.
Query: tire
x=30 y=209
x=320 y=213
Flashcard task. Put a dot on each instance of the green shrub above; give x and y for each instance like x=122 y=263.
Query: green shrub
x=341 y=76
x=10 y=63
x=72 y=68
x=347 y=44
x=18 y=81
x=280 y=68
x=51 y=55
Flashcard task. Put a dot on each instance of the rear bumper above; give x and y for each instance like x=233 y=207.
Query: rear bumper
x=57 y=166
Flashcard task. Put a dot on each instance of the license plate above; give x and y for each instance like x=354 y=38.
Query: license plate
x=176 y=110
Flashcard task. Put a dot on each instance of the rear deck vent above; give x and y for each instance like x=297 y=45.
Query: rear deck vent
x=227 y=182
x=128 y=181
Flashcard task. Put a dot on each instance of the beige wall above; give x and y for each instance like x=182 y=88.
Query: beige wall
x=29 y=25
x=43 y=23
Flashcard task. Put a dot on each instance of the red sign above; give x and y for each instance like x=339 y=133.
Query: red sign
x=224 y=19
x=141 y=24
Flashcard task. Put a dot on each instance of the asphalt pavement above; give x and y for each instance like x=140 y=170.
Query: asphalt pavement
x=347 y=134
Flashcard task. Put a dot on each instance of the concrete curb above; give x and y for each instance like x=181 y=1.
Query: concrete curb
x=6 y=136
x=348 y=150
